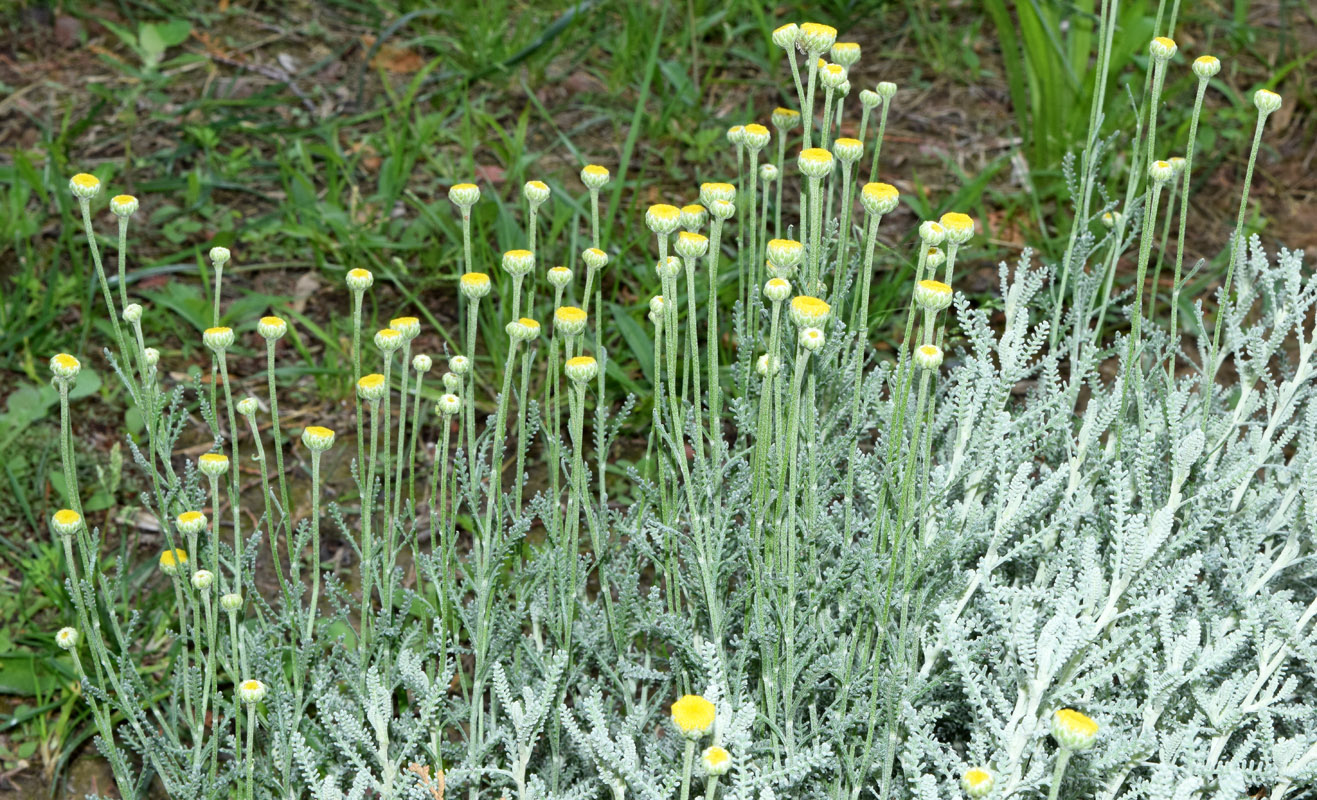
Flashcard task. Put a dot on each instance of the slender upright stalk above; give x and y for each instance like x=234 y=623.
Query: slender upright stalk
x=1184 y=219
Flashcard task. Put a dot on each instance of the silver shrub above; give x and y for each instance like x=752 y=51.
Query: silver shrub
x=873 y=606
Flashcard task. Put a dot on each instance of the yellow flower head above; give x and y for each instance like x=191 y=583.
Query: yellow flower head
x=717 y=761
x=713 y=192
x=518 y=262
x=959 y=227
x=784 y=119
x=977 y=782
x=693 y=716
x=1206 y=67
x=848 y=150
x=581 y=369
x=1073 y=730
x=464 y=195
x=691 y=245
x=932 y=295
x=84 y=186
x=66 y=521
x=409 y=327
x=816 y=39
x=879 y=198
x=570 y=320
x=846 y=53
x=785 y=36
x=191 y=522
x=123 y=205
x=815 y=162
x=474 y=285
x=594 y=176
x=809 y=312
x=271 y=327
x=371 y=387
x=755 y=136
x=317 y=438
x=693 y=217
x=63 y=365
x=217 y=339
x=171 y=560
x=388 y=340
x=213 y=464
x=663 y=218
x=1162 y=48
x=359 y=280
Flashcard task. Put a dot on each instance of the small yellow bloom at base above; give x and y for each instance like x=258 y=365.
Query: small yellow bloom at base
x=693 y=716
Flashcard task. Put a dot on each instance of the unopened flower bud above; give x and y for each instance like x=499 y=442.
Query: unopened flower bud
x=459 y=365
x=693 y=217
x=219 y=256
x=1162 y=48
x=536 y=193
x=595 y=258
x=1072 y=730
x=247 y=406
x=66 y=638
x=812 y=339
x=218 y=339
x=448 y=405
x=251 y=691
x=777 y=289
x=1266 y=101
x=559 y=277
x=928 y=357
x=785 y=119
